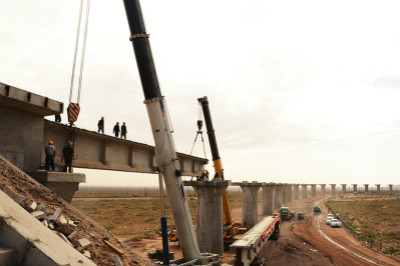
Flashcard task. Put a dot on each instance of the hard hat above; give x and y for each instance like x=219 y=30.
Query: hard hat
x=102 y=117
x=50 y=142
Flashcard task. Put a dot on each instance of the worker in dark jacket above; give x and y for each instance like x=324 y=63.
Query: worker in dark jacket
x=116 y=129
x=123 y=130
x=100 y=125
x=50 y=152
x=68 y=156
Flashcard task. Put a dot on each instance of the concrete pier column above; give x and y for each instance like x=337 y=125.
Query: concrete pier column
x=284 y=191
x=366 y=188
x=304 y=190
x=390 y=189
x=354 y=187
x=278 y=196
x=250 y=203
x=343 y=188
x=268 y=197
x=323 y=189
x=333 y=186
x=209 y=218
x=313 y=190
x=378 y=188
x=296 y=192
x=289 y=193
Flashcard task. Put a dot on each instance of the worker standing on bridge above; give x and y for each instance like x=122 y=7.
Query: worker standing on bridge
x=50 y=152
x=123 y=130
x=68 y=156
x=116 y=130
x=100 y=125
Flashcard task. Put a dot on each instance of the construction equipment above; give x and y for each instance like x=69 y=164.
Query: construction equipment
x=165 y=154
x=286 y=215
x=230 y=228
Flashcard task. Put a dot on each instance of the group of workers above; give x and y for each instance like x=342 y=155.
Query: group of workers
x=116 y=129
x=67 y=156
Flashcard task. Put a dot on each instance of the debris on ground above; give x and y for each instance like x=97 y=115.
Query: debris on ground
x=85 y=235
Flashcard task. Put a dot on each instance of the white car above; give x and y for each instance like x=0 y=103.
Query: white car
x=329 y=217
x=336 y=223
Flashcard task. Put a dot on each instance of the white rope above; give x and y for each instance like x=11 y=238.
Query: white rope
x=83 y=49
x=76 y=49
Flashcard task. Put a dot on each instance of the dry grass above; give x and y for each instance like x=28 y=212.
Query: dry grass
x=138 y=217
x=375 y=216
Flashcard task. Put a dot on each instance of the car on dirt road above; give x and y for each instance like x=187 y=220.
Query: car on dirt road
x=300 y=216
x=336 y=223
x=317 y=210
x=329 y=217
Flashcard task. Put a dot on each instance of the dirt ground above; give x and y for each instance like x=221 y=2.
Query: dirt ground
x=301 y=243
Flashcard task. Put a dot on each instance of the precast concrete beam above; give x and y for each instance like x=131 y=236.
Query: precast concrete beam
x=344 y=188
x=354 y=187
x=304 y=190
x=313 y=190
x=296 y=192
x=278 y=196
x=250 y=202
x=323 y=189
x=333 y=189
x=366 y=188
x=268 y=196
x=99 y=151
x=209 y=218
x=378 y=188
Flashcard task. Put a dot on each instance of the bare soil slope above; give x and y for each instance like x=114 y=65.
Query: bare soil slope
x=35 y=192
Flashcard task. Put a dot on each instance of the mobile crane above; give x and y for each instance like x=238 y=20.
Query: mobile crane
x=165 y=153
x=230 y=228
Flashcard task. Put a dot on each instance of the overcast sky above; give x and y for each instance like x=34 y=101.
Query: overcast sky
x=299 y=91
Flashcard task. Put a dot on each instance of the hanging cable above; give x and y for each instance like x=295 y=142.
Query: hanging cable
x=76 y=50
x=83 y=49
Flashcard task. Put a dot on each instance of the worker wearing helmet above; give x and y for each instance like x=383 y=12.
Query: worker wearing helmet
x=100 y=125
x=68 y=156
x=116 y=129
x=50 y=152
x=123 y=130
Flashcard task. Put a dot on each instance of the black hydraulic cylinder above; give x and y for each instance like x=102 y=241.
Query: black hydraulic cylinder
x=141 y=47
x=210 y=128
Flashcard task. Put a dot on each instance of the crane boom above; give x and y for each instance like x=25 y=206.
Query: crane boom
x=164 y=145
x=219 y=171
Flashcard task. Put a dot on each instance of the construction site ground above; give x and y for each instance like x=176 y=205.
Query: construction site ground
x=302 y=242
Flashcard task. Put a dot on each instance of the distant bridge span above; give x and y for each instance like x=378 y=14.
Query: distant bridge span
x=98 y=151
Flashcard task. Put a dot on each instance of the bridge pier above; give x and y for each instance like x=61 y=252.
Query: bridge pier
x=289 y=193
x=323 y=189
x=209 y=218
x=63 y=184
x=268 y=193
x=296 y=191
x=354 y=188
x=304 y=190
x=366 y=188
x=313 y=190
x=343 y=188
x=250 y=202
x=284 y=192
x=390 y=189
x=278 y=196
x=378 y=188
x=333 y=186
